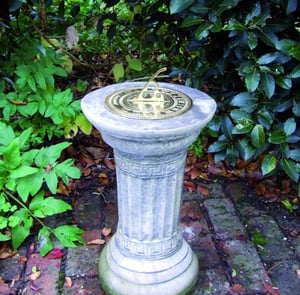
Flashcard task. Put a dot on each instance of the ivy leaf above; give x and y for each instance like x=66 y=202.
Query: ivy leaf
x=268 y=164
x=68 y=235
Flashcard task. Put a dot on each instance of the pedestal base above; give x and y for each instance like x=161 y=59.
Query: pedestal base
x=129 y=275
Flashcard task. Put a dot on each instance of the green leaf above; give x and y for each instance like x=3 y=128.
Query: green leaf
x=217 y=146
x=267 y=82
x=284 y=82
x=177 y=6
x=51 y=181
x=232 y=154
x=268 y=164
x=290 y=6
x=41 y=207
x=23 y=171
x=68 y=235
x=296 y=109
x=82 y=122
x=246 y=149
x=295 y=73
x=267 y=58
x=258 y=136
x=265 y=118
x=11 y=155
x=289 y=126
x=226 y=126
x=191 y=21
x=4 y=237
x=45 y=241
x=118 y=71
x=252 y=80
x=40 y=79
x=134 y=63
x=245 y=100
x=277 y=137
x=295 y=154
x=290 y=169
x=243 y=127
x=203 y=30
x=21 y=231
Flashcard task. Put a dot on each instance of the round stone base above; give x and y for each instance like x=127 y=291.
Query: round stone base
x=174 y=274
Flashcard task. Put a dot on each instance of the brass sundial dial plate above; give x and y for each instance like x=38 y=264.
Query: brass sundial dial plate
x=148 y=103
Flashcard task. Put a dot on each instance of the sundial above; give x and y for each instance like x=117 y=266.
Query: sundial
x=150 y=102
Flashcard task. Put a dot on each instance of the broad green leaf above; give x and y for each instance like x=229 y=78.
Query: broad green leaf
x=290 y=169
x=177 y=6
x=277 y=137
x=85 y=126
x=245 y=100
x=30 y=184
x=267 y=83
x=289 y=126
x=243 y=128
x=268 y=164
x=40 y=79
x=296 y=109
x=45 y=241
x=252 y=80
x=295 y=73
x=265 y=118
x=7 y=135
x=232 y=154
x=134 y=63
x=267 y=58
x=118 y=71
x=226 y=126
x=252 y=40
x=203 y=30
x=217 y=146
x=21 y=231
x=68 y=235
x=284 y=82
x=31 y=83
x=24 y=137
x=258 y=137
x=41 y=207
x=23 y=171
x=295 y=155
x=11 y=155
x=51 y=181
x=290 y=6
x=234 y=25
x=4 y=237
x=237 y=114
x=191 y=21
x=67 y=168
x=246 y=149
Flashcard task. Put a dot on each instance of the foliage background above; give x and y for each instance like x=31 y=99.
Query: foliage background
x=245 y=55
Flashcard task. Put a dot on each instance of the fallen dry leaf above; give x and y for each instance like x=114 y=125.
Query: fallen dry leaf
x=190 y=186
x=68 y=282
x=260 y=189
x=237 y=288
x=110 y=164
x=270 y=289
x=106 y=231
x=35 y=275
x=96 y=242
x=195 y=172
x=7 y=253
x=202 y=190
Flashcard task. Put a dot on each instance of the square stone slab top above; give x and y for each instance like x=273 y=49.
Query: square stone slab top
x=201 y=112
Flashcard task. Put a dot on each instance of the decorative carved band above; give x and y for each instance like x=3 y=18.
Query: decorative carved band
x=148 y=249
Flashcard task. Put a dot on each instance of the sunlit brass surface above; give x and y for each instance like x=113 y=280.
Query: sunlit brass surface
x=150 y=102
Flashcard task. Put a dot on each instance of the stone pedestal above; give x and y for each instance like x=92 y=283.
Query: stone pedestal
x=148 y=254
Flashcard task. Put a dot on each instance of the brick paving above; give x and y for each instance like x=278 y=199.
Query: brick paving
x=243 y=247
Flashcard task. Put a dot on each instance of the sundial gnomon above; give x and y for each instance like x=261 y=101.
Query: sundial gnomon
x=148 y=102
